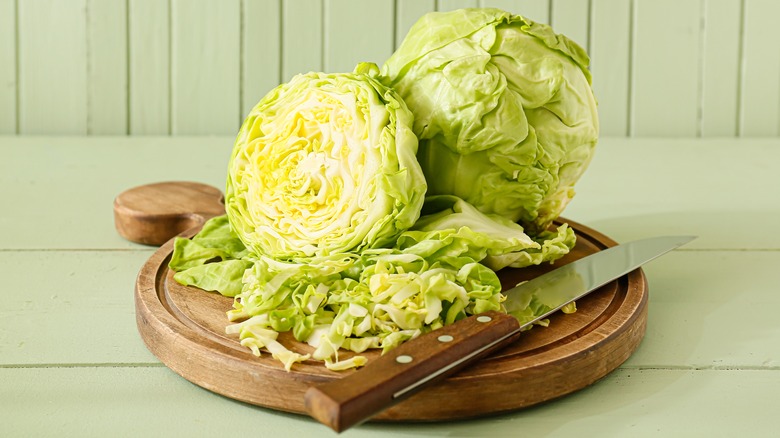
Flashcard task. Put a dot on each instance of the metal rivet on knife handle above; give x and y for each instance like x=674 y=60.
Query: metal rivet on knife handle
x=404 y=358
x=484 y=318
x=445 y=338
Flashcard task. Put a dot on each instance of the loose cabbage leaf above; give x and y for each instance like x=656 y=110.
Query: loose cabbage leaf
x=213 y=260
x=451 y=227
x=223 y=277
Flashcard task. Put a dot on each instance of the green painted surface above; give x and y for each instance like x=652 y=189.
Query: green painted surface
x=8 y=78
x=260 y=51
x=760 y=116
x=133 y=401
x=344 y=20
x=302 y=38
x=107 y=77
x=149 y=89
x=70 y=307
x=36 y=174
x=722 y=190
x=610 y=51
x=570 y=18
x=52 y=66
x=205 y=39
x=663 y=68
x=711 y=310
x=721 y=38
x=537 y=10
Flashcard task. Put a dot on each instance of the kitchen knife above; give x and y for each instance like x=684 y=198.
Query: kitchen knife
x=417 y=363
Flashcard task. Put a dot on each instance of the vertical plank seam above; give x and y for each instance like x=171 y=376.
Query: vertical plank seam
x=632 y=25
x=241 y=57
x=702 y=64
x=280 y=71
x=395 y=26
x=127 y=67
x=88 y=44
x=741 y=65
x=324 y=40
x=17 y=77
x=550 y=10
x=588 y=32
x=171 y=66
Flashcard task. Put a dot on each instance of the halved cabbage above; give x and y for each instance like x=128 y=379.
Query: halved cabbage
x=325 y=164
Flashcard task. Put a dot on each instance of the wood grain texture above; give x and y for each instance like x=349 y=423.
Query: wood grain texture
x=152 y=214
x=150 y=67
x=665 y=68
x=8 y=80
x=302 y=38
x=356 y=31
x=610 y=52
x=205 y=77
x=107 y=67
x=261 y=57
x=388 y=379
x=52 y=67
x=184 y=328
x=407 y=12
x=760 y=90
x=720 y=74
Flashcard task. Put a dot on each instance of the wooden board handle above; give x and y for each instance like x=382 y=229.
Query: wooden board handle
x=154 y=213
x=408 y=368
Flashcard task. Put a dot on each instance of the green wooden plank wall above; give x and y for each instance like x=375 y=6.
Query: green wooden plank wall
x=682 y=68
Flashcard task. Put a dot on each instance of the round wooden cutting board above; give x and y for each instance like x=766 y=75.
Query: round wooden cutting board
x=185 y=328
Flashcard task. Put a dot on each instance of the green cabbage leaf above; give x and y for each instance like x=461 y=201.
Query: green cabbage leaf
x=503 y=109
x=451 y=227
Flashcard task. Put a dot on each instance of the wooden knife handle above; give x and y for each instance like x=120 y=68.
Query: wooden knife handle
x=154 y=213
x=387 y=380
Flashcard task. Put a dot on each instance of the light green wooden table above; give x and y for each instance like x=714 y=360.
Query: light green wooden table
x=73 y=364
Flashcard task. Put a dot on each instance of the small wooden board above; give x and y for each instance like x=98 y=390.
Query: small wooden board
x=184 y=328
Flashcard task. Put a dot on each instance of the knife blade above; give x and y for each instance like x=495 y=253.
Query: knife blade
x=408 y=368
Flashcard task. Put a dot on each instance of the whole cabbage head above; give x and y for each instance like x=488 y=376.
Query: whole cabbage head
x=325 y=164
x=503 y=109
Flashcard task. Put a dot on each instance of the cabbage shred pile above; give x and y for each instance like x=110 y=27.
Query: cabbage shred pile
x=366 y=208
